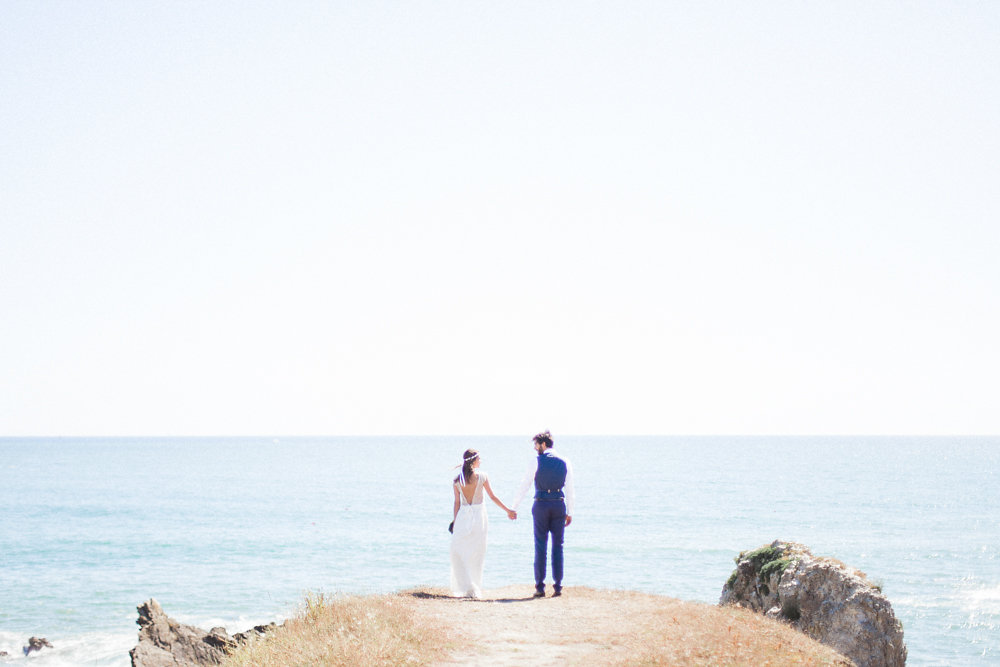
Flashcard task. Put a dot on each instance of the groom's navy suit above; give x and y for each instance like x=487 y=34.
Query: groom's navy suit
x=552 y=479
x=549 y=513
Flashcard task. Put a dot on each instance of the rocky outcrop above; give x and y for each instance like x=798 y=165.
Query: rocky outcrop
x=827 y=600
x=36 y=644
x=163 y=642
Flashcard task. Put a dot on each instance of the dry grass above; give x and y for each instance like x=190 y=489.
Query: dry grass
x=584 y=627
x=350 y=630
x=687 y=633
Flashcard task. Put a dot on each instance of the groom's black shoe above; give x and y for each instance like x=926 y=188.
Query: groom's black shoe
x=539 y=594
x=557 y=593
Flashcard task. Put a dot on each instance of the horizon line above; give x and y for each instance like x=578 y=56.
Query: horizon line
x=507 y=435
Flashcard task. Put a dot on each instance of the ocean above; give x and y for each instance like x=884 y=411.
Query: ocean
x=236 y=531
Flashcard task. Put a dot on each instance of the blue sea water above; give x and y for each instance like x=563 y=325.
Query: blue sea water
x=235 y=531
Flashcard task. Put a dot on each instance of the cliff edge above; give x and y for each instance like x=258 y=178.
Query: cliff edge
x=834 y=604
x=163 y=642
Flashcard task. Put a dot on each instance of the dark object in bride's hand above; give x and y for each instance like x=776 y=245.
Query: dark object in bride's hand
x=451 y=527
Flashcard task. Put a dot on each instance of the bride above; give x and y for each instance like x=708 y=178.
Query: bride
x=468 y=541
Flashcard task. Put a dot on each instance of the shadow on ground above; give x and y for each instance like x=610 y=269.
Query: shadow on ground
x=424 y=595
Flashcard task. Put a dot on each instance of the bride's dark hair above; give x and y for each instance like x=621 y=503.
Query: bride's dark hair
x=468 y=458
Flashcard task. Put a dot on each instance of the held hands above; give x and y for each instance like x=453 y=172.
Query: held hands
x=569 y=519
x=511 y=514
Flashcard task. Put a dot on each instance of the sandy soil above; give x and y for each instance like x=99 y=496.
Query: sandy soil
x=509 y=627
x=610 y=627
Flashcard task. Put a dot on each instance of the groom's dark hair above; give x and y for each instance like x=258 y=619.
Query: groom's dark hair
x=544 y=438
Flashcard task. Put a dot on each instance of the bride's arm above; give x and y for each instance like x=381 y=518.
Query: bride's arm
x=511 y=514
x=458 y=503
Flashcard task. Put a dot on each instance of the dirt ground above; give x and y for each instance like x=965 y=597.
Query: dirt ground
x=610 y=627
x=509 y=627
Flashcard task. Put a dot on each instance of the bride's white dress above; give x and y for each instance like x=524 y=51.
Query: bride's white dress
x=468 y=543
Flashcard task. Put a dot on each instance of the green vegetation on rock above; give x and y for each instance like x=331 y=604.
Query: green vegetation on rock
x=766 y=561
x=778 y=566
x=760 y=556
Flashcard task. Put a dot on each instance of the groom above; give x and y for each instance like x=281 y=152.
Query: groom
x=552 y=509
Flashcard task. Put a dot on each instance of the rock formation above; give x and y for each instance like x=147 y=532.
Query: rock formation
x=163 y=642
x=36 y=644
x=827 y=600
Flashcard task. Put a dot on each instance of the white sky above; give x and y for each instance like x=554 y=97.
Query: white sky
x=461 y=217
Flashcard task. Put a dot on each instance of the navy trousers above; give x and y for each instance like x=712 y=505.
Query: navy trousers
x=550 y=517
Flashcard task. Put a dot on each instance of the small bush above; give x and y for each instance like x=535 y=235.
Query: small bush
x=761 y=556
x=778 y=566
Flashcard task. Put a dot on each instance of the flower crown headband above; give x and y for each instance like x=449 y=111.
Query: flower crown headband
x=466 y=460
